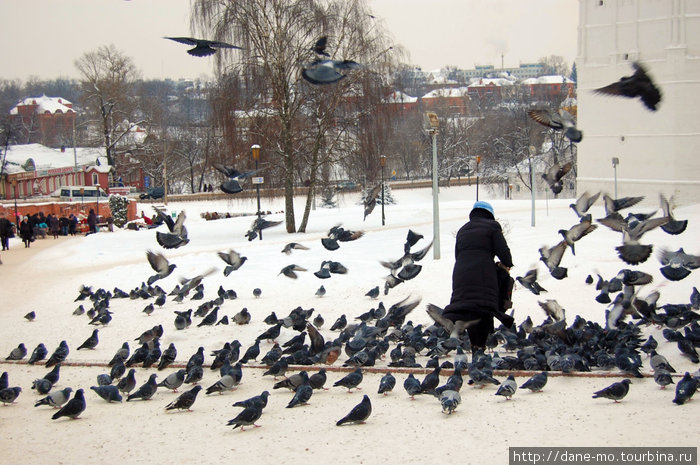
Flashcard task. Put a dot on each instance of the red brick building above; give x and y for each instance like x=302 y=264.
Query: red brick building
x=45 y=120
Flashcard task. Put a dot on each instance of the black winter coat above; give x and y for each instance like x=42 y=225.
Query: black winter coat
x=474 y=281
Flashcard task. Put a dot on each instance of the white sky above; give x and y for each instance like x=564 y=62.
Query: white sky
x=44 y=37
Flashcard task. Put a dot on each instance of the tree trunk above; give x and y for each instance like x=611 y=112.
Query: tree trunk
x=288 y=178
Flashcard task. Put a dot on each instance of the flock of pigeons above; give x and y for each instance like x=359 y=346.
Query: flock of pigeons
x=385 y=336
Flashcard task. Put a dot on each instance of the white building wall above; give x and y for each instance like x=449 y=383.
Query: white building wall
x=658 y=151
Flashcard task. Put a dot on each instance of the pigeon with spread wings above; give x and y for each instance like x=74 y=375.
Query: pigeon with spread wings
x=638 y=84
x=202 y=47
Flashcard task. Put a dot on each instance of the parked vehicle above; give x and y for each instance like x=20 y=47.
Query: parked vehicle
x=75 y=193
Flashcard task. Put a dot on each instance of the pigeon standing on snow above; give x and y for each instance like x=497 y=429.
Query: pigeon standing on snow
x=18 y=353
x=56 y=398
x=685 y=389
x=507 y=388
x=73 y=408
x=386 y=384
x=247 y=417
x=91 y=342
x=185 y=400
x=638 y=84
x=351 y=380
x=110 y=393
x=536 y=383
x=146 y=391
x=38 y=354
x=616 y=391
x=58 y=355
x=359 y=413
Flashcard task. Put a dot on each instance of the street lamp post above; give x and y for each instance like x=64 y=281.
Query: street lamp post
x=382 y=162
x=82 y=198
x=533 y=152
x=615 y=162
x=256 y=156
x=14 y=189
x=432 y=126
x=478 y=160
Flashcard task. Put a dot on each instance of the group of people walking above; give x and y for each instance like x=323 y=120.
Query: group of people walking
x=32 y=226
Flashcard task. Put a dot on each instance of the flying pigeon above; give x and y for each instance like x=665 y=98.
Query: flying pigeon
x=529 y=282
x=359 y=413
x=551 y=256
x=319 y=47
x=577 y=231
x=616 y=391
x=31 y=316
x=202 y=47
x=677 y=265
x=323 y=72
x=674 y=226
x=258 y=226
x=290 y=271
x=555 y=173
x=160 y=265
x=559 y=121
x=584 y=203
x=370 y=200
x=73 y=408
x=638 y=84
x=177 y=235
x=293 y=246
x=185 y=400
x=338 y=234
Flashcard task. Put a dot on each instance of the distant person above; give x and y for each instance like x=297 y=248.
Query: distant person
x=54 y=228
x=26 y=231
x=5 y=231
x=72 y=224
x=475 y=281
x=92 y=222
x=64 y=224
x=146 y=219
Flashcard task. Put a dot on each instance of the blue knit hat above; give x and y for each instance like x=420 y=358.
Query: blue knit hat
x=484 y=206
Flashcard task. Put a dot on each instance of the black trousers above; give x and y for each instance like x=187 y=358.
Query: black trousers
x=479 y=331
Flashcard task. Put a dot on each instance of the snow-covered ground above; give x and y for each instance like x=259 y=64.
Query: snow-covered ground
x=399 y=430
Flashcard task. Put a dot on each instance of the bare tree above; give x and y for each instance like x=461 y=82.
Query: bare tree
x=555 y=65
x=107 y=79
x=277 y=37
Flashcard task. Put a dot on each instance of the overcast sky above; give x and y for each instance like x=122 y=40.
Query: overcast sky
x=43 y=38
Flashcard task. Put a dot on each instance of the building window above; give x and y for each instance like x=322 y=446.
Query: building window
x=95 y=180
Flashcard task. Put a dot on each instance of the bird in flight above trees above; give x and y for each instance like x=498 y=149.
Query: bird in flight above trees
x=202 y=47
x=325 y=71
x=559 y=121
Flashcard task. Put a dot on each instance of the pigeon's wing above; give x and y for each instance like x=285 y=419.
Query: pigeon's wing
x=225 y=170
x=157 y=261
x=183 y=40
x=320 y=46
x=321 y=72
x=347 y=64
x=178 y=226
x=545 y=118
x=615 y=222
x=167 y=219
x=217 y=44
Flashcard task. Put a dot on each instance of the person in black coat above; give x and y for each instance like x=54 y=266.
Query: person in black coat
x=5 y=231
x=26 y=231
x=475 y=289
x=92 y=222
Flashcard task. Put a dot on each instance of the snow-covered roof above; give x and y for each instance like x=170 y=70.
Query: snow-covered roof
x=447 y=92
x=399 y=97
x=45 y=105
x=481 y=82
x=548 y=80
x=48 y=158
